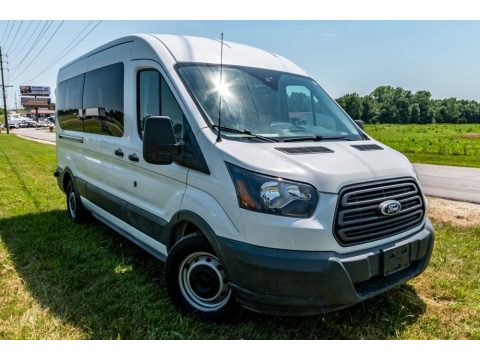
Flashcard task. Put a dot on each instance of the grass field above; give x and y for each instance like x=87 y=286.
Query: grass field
x=442 y=144
x=59 y=280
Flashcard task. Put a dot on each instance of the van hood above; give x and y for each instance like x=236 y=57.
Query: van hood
x=326 y=171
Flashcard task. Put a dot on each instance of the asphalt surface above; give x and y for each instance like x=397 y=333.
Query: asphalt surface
x=447 y=182
x=36 y=134
x=450 y=182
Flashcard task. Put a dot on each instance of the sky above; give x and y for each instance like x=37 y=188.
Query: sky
x=442 y=57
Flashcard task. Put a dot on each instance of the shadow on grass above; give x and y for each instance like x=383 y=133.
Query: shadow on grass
x=96 y=280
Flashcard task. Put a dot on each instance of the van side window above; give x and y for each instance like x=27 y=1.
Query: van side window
x=69 y=103
x=148 y=96
x=155 y=98
x=103 y=101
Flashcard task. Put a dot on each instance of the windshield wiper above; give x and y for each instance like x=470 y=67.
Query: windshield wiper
x=315 y=138
x=245 y=132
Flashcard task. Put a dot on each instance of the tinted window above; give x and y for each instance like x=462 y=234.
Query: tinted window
x=155 y=98
x=69 y=103
x=149 y=95
x=103 y=101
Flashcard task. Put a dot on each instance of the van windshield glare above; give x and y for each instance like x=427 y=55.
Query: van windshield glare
x=266 y=102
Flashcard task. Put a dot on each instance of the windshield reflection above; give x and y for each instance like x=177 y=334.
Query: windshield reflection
x=265 y=102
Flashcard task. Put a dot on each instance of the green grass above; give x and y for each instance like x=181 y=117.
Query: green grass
x=59 y=280
x=441 y=144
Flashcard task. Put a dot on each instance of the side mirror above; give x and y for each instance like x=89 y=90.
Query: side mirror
x=360 y=123
x=159 y=145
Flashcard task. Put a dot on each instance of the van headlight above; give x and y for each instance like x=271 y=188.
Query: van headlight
x=271 y=195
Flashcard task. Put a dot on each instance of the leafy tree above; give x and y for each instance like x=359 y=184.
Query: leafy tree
x=387 y=104
x=369 y=109
x=415 y=114
x=352 y=104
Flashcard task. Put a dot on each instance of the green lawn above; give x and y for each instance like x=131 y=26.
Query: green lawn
x=442 y=144
x=59 y=280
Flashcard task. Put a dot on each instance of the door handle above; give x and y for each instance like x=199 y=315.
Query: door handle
x=118 y=152
x=133 y=157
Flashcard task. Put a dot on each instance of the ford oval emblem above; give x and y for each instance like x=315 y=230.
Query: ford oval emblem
x=390 y=207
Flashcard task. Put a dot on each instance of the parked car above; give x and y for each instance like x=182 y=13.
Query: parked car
x=14 y=123
x=31 y=123
x=279 y=202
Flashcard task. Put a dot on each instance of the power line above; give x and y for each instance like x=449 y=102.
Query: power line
x=21 y=38
x=70 y=49
x=35 y=37
x=41 y=34
x=66 y=48
x=8 y=36
x=41 y=50
x=13 y=40
x=6 y=29
x=31 y=36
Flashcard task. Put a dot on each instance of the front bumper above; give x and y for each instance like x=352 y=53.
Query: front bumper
x=288 y=282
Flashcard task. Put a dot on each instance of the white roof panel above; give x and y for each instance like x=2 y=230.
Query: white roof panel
x=204 y=50
x=171 y=49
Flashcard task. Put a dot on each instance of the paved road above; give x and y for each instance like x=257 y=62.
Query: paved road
x=450 y=182
x=36 y=133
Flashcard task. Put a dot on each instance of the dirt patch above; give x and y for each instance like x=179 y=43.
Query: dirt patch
x=455 y=212
x=472 y=136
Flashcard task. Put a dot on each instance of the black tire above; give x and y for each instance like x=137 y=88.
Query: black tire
x=75 y=209
x=192 y=279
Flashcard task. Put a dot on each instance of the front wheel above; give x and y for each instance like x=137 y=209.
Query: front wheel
x=196 y=280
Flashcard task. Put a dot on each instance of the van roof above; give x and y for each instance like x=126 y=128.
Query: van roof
x=204 y=50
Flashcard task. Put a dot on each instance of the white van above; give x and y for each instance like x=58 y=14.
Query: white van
x=287 y=207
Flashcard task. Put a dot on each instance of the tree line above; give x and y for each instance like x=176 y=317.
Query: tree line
x=390 y=105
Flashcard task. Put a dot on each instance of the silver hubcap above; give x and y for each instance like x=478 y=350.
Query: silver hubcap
x=203 y=283
x=72 y=204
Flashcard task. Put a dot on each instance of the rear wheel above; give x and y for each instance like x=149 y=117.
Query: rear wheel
x=196 y=280
x=75 y=209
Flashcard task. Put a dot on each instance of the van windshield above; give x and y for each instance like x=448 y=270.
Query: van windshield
x=270 y=103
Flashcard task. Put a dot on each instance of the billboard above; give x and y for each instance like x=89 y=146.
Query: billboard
x=34 y=90
x=31 y=101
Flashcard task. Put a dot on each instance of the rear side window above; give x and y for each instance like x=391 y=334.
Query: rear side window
x=69 y=104
x=155 y=98
x=103 y=101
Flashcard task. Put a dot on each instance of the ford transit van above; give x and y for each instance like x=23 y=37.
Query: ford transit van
x=232 y=165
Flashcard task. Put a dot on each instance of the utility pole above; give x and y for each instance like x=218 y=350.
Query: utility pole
x=5 y=114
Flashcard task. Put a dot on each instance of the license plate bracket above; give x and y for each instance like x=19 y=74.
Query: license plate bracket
x=396 y=259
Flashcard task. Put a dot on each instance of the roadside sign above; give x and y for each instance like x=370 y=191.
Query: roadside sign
x=32 y=101
x=34 y=90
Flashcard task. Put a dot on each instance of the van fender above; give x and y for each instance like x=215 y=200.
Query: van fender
x=60 y=175
x=213 y=222
x=215 y=241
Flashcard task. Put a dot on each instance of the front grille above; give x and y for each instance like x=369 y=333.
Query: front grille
x=359 y=220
